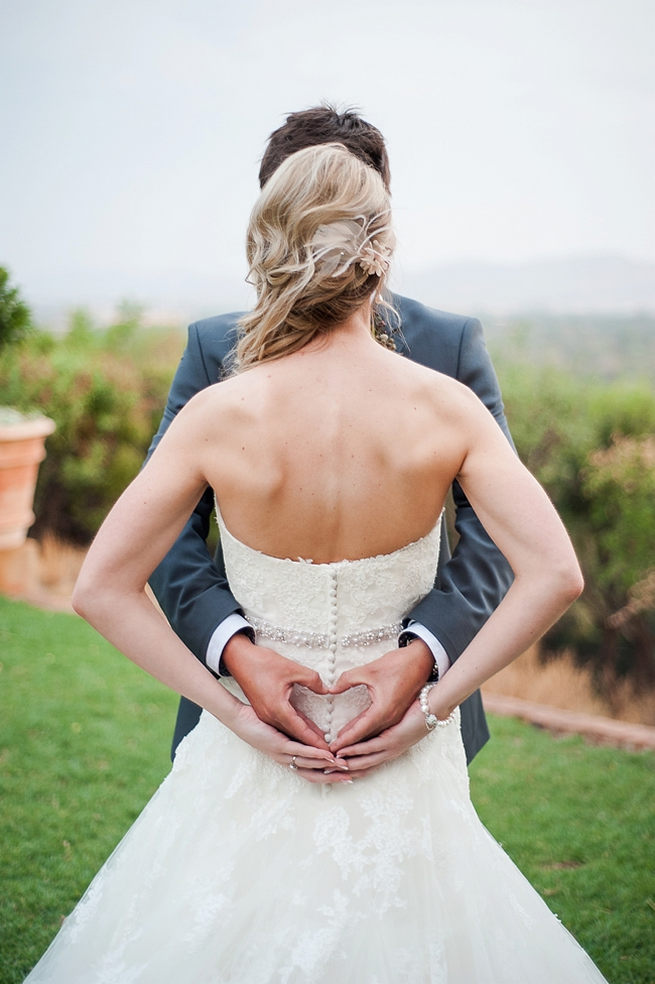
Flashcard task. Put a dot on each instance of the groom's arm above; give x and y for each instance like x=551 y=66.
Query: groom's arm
x=475 y=579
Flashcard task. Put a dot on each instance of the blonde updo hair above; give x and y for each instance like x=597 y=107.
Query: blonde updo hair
x=319 y=244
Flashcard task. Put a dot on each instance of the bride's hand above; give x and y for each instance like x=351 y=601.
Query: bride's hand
x=393 y=682
x=367 y=755
x=267 y=679
x=309 y=761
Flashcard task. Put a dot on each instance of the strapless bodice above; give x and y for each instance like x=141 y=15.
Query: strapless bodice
x=331 y=617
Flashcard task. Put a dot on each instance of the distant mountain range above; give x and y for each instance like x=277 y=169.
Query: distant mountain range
x=573 y=285
x=579 y=284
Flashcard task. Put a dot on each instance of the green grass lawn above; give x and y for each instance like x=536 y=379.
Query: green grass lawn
x=84 y=739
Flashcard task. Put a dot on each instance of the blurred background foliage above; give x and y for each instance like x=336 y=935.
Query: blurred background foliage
x=592 y=446
x=105 y=389
x=586 y=433
x=15 y=316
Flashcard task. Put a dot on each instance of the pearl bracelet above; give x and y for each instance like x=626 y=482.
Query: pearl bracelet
x=431 y=720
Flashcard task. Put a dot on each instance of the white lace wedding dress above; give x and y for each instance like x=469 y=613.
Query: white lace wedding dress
x=238 y=871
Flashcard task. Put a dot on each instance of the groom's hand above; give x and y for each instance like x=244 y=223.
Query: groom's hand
x=393 y=682
x=267 y=679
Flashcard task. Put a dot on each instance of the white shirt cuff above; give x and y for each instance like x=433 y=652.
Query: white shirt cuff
x=441 y=658
x=221 y=636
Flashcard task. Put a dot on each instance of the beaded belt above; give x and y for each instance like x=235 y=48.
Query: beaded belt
x=321 y=640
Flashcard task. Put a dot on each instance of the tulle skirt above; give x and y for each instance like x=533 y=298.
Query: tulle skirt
x=238 y=871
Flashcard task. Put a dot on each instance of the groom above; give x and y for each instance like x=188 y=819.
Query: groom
x=191 y=586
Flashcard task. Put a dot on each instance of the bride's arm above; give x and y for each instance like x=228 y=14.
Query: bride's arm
x=519 y=517
x=110 y=591
x=523 y=523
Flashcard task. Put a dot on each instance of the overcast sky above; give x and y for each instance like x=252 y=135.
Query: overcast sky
x=132 y=130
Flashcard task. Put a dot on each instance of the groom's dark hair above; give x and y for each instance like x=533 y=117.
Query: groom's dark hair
x=323 y=124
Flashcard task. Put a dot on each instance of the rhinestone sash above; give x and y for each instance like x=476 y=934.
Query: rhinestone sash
x=322 y=640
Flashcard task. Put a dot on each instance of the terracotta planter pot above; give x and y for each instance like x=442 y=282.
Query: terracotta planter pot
x=22 y=448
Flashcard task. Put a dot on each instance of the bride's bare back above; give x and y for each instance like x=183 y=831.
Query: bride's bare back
x=341 y=450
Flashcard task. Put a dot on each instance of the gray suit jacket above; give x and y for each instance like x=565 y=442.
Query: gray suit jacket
x=192 y=589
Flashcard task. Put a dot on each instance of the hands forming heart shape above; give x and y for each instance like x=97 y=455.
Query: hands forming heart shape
x=361 y=703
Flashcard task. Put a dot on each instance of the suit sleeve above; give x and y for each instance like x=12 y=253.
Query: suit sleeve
x=475 y=579
x=190 y=587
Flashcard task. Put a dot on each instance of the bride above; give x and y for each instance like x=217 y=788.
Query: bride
x=261 y=859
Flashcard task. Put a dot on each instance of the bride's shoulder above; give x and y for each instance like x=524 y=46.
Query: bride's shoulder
x=213 y=414
x=237 y=394
x=439 y=387
x=448 y=400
